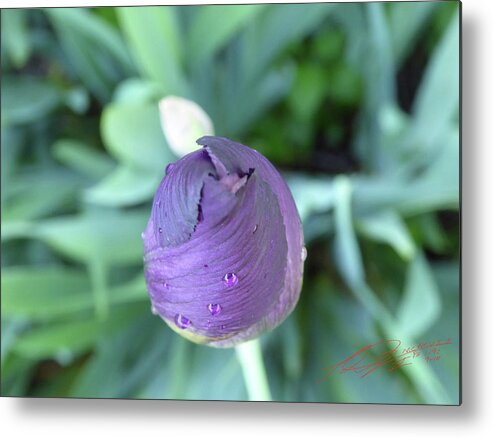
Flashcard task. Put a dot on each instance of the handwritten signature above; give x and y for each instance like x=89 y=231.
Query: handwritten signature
x=388 y=354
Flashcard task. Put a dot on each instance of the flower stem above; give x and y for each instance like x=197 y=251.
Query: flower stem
x=250 y=357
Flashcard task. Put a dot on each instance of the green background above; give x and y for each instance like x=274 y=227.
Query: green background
x=356 y=104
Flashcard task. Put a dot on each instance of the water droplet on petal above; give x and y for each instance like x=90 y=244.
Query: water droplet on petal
x=153 y=310
x=182 y=322
x=304 y=253
x=142 y=235
x=160 y=230
x=230 y=279
x=255 y=229
x=223 y=326
x=214 y=308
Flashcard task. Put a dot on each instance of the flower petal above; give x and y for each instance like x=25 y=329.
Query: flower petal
x=176 y=204
x=234 y=270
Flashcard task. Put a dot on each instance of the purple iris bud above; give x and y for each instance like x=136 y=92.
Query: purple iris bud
x=223 y=247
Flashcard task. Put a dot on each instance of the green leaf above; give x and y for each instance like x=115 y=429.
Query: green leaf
x=11 y=329
x=346 y=250
x=154 y=37
x=132 y=133
x=43 y=292
x=111 y=236
x=213 y=27
x=82 y=158
x=63 y=341
x=220 y=367
x=292 y=346
x=93 y=47
x=311 y=195
x=27 y=99
x=136 y=90
x=89 y=25
x=380 y=72
x=437 y=188
x=437 y=99
x=268 y=90
x=119 y=366
x=308 y=91
x=15 y=36
x=279 y=26
x=49 y=292
x=388 y=227
x=125 y=186
x=420 y=305
x=17 y=373
x=13 y=142
x=350 y=265
x=39 y=192
x=59 y=340
x=406 y=21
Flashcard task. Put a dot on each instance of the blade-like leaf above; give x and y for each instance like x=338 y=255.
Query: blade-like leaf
x=437 y=100
x=406 y=20
x=63 y=341
x=27 y=99
x=154 y=37
x=15 y=36
x=112 y=237
x=389 y=228
x=212 y=27
x=132 y=133
x=42 y=293
x=82 y=158
x=93 y=47
x=125 y=186
x=420 y=306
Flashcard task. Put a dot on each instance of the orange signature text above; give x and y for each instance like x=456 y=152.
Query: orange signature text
x=386 y=354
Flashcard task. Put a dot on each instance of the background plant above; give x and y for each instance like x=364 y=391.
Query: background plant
x=358 y=105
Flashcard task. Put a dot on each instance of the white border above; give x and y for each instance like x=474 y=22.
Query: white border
x=157 y=418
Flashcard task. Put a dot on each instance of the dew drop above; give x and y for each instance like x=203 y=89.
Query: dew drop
x=153 y=310
x=214 y=308
x=255 y=229
x=160 y=230
x=304 y=253
x=230 y=279
x=182 y=322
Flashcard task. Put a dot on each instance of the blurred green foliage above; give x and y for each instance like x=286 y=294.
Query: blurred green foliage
x=358 y=105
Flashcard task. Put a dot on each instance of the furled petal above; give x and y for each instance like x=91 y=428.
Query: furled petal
x=223 y=247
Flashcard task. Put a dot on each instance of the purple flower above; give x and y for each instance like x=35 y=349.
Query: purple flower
x=224 y=245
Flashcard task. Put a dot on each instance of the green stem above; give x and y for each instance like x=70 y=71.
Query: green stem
x=97 y=273
x=252 y=364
